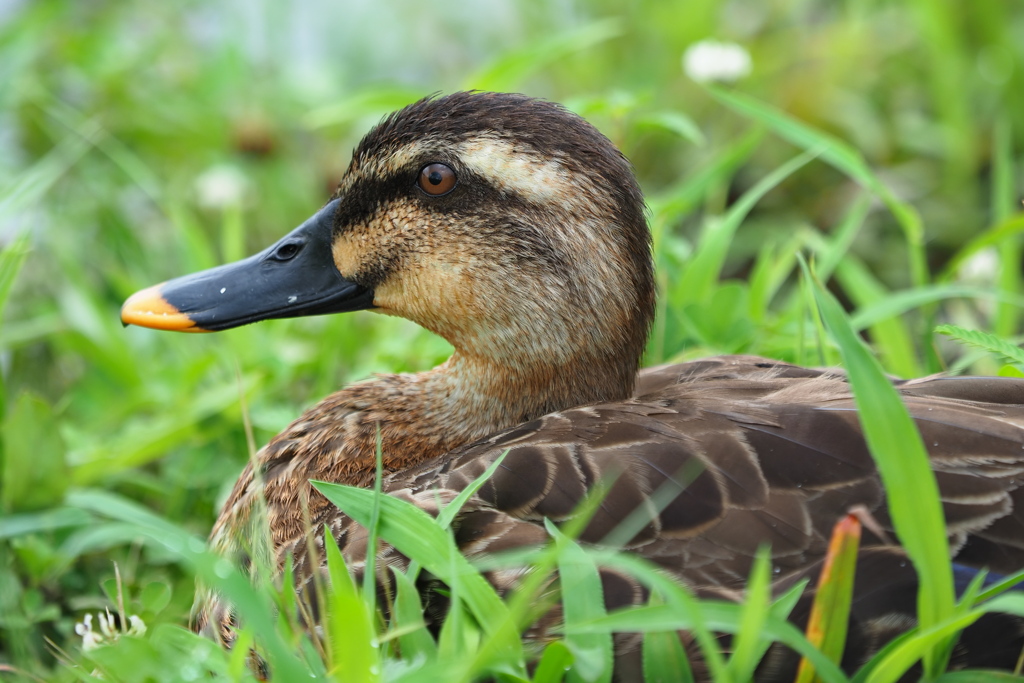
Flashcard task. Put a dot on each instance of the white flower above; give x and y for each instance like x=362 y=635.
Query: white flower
x=709 y=60
x=221 y=186
x=90 y=639
x=107 y=633
x=981 y=268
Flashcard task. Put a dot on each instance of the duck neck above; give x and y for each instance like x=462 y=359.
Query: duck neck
x=488 y=395
x=468 y=397
x=418 y=418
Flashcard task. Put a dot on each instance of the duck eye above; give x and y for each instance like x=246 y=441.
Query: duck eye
x=437 y=179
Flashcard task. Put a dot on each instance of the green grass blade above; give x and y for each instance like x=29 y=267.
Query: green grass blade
x=843 y=157
x=12 y=526
x=902 y=461
x=1009 y=603
x=252 y=605
x=582 y=600
x=371 y=103
x=749 y=645
x=773 y=267
x=33 y=469
x=673 y=121
x=897 y=303
x=664 y=657
x=1004 y=202
x=684 y=195
x=997 y=235
x=682 y=611
x=918 y=645
x=508 y=71
x=986 y=341
x=459 y=635
x=830 y=613
x=12 y=258
x=891 y=336
x=416 y=535
x=447 y=515
x=350 y=636
x=35 y=182
x=1001 y=586
x=979 y=676
x=703 y=271
x=553 y=664
x=407 y=620
x=718 y=616
x=835 y=248
x=370 y=574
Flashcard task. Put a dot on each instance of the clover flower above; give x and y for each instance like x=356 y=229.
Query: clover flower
x=107 y=633
x=709 y=60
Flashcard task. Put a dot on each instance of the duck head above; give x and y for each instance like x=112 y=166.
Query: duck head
x=505 y=224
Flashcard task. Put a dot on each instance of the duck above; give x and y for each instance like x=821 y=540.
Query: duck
x=515 y=230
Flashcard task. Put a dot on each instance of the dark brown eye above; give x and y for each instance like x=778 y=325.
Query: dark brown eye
x=437 y=179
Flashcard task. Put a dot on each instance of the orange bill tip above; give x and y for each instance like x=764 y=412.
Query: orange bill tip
x=148 y=308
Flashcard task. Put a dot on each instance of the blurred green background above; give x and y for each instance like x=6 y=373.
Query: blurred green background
x=141 y=140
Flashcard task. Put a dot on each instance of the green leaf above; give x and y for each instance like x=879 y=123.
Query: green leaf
x=12 y=258
x=749 y=645
x=416 y=535
x=34 y=471
x=674 y=122
x=893 y=304
x=368 y=103
x=407 y=620
x=830 y=612
x=352 y=643
x=891 y=335
x=843 y=157
x=508 y=71
x=582 y=600
x=703 y=271
x=664 y=658
x=979 y=676
x=252 y=605
x=919 y=644
x=155 y=596
x=554 y=663
x=986 y=341
x=905 y=468
x=12 y=526
x=718 y=616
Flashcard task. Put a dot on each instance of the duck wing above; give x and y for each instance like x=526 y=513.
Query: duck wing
x=721 y=456
x=711 y=460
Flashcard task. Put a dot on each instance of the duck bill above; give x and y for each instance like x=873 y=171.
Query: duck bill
x=292 y=278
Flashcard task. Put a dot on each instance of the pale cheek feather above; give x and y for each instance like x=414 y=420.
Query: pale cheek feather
x=347 y=253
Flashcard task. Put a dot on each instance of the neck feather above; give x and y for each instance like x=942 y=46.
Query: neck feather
x=419 y=417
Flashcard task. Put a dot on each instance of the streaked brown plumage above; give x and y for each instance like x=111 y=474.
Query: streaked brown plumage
x=537 y=268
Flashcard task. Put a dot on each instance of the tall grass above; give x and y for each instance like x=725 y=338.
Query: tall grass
x=142 y=140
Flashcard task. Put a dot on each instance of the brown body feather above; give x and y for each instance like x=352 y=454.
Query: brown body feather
x=758 y=451
x=537 y=268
